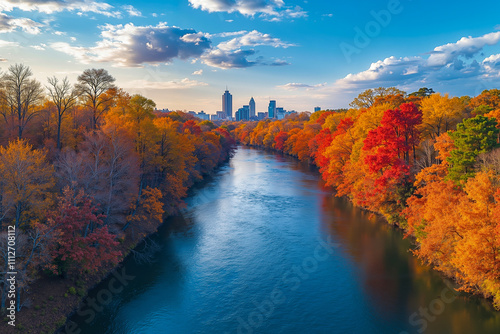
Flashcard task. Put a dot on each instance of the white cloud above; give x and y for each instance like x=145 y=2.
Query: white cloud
x=40 y=47
x=252 y=39
x=199 y=72
x=266 y=8
x=9 y=24
x=132 y=11
x=175 y=84
x=227 y=59
x=132 y=46
x=447 y=62
x=466 y=47
x=52 y=6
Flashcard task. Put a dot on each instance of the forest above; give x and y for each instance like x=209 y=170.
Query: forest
x=427 y=162
x=87 y=171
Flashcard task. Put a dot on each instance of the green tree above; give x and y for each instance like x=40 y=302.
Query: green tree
x=423 y=92
x=473 y=136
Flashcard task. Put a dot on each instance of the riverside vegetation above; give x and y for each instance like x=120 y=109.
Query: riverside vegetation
x=87 y=171
x=427 y=162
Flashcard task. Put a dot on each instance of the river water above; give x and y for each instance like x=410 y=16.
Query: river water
x=264 y=247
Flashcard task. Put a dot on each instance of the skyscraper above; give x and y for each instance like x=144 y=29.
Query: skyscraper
x=272 y=109
x=227 y=104
x=252 y=107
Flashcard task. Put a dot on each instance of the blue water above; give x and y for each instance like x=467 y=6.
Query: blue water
x=264 y=247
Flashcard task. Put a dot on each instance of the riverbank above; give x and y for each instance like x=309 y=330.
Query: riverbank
x=256 y=228
x=400 y=224
x=54 y=299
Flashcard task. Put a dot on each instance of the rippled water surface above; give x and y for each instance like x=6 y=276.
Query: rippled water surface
x=263 y=247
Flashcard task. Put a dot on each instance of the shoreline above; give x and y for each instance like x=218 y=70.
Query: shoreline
x=57 y=299
x=431 y=266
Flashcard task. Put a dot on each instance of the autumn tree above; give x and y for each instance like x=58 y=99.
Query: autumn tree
x=22 y=96
x=367 y=98
x=85 y=244
x=26 y=182
x=93 y=85
x=440 y=114
x=64 y=96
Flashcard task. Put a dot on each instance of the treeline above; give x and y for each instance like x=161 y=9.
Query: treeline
x=427 y=162
x=87 y=170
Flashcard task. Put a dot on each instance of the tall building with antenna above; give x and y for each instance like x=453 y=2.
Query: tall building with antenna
x=227 y=104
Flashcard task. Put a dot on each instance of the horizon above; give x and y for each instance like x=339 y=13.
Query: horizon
x=303 y=54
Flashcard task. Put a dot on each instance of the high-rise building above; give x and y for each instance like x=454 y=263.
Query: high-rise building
x=316 y=109
x=252 y=107
x=272 y=109
x=227 y=104
x=243 y=114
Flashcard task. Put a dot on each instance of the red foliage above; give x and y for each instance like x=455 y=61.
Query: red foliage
x=85 y=243
x=192 y=127
x=280 y=140
x=390 y=143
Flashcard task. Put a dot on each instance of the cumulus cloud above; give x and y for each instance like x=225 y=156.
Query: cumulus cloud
x=9 y=24
x=252 y=39
x=232 y=59
x=199 y=72
x=267 y=8
x=466 y=47
x=132 y=46
x=235 y=53
x=175 y=84
x=459 y=60
x=52 y=6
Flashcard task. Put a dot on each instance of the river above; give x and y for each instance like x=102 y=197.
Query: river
x=264 y=247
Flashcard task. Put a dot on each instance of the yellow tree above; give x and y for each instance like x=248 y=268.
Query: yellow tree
x=440 y=113
x=26 y=181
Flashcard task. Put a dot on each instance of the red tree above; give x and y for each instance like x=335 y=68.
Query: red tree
x=280 y=140
x=389 y=145
x=85 y=244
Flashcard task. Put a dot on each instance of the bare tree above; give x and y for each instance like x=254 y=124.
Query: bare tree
x=22 y=95
x=64 y=97
x=93 y=84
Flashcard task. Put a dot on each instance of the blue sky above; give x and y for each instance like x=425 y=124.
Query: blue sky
x=183 y=53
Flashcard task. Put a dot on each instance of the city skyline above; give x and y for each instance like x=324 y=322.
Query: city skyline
x=304 y=53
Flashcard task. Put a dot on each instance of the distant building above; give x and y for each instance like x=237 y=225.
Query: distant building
x=243 y=114
x=261 y=115
x=191 y=113
x=252 y=107
x=271 y=110
x=316 y=109
x=214 y=117
x=203 y=116
x=227 y=104
x=221 y=115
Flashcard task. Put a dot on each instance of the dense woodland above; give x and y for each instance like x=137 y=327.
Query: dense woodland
x=428 y=162
x=87 y=171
